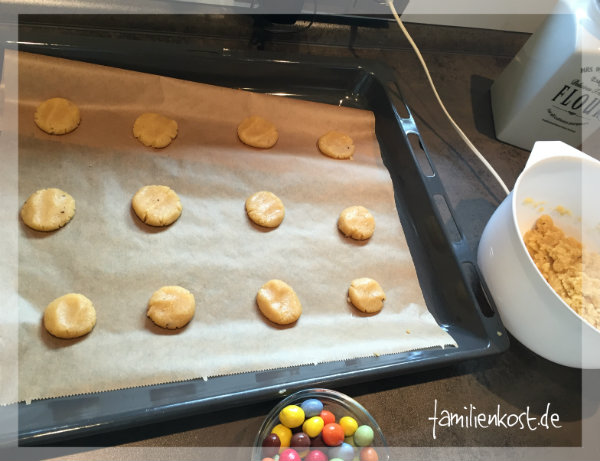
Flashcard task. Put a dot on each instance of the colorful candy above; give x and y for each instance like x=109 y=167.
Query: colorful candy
x=369 y=454
x=313 y=426
x=343 y=451
x=349 y=425
x=316 y=455
x=363 y=436
x=271 y=445
x=327 y=417
x=289 y=455
x=301 y=443
x=291 y=416
x=312 y=407
x=284 y=434
x=309 y=432
x=333 y=434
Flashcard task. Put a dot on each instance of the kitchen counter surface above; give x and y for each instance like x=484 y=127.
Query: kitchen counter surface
x=463 y=64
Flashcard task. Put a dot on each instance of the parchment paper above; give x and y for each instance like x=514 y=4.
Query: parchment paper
x=213 y=250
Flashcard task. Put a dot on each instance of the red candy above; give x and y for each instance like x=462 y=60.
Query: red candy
x=316 y=455
x=327 y=417
x=333 y=434
x=289 y=455
x=368 y=454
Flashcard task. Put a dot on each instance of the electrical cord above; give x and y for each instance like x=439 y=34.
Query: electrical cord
x=453 y=123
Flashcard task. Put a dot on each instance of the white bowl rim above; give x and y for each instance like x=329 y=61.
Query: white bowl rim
x=558 y=158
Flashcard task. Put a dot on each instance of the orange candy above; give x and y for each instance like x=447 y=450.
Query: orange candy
x=327 y=417
x=368 y=454
x=333 y=434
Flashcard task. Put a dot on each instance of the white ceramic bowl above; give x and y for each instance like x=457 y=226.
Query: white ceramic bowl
x=556 y=176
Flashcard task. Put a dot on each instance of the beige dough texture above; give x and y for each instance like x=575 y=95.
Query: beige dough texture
x=154 y=130
x=265 y=209
x=336 y=145
x=255 y=131
x=70 y=316
x=48 y=209
x=356 y=222
x=157 y=205
x=278 y=302
x=57 y=116
x=171 y=307
x=366 y=295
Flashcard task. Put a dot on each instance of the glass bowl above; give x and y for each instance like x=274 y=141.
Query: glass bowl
x=339 y=404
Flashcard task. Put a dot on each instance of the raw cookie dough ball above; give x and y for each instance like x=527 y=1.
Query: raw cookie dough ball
x=366 y=295
x=356 y=222
x=278 y=302
x=70 y=316
x=265 y=209
x=255 y=131
x=336 y=145
x=57 y=116
x=48 y=209
x=154 y=130
x=171 y=307
x=157 y=205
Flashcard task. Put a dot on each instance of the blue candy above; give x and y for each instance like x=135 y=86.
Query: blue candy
x=312 y=407
x=344 y=451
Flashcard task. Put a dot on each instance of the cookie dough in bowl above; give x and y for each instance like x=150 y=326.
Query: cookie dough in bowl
x=171 y=307
x=278 y=302
x=70 y=316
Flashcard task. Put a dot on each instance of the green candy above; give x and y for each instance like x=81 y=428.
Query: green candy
x=363 y=436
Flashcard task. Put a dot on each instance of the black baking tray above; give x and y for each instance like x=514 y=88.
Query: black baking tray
x=443 y=257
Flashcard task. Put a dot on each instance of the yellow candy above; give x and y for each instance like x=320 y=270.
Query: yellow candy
x=313 y=426
x=284 y=434
x=349 y=425
x=291 y=416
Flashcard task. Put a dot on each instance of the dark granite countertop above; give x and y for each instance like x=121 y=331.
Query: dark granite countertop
x=463 y=63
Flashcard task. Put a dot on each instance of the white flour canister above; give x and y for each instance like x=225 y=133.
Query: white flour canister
x=551 y=89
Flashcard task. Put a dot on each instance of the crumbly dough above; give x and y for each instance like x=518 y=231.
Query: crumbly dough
x=279 y=302
x=154 y=130
x=356 y=222
x=70 y=316
x=57 y=116
x=171 y=307
x=157 y=205
x=256 y=131
x=48 y=209
x=366 y=295
x=336 y=145
x=265 y=209
x=572 y=272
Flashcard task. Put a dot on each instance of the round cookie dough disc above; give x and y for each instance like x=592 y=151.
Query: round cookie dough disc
x=70 y=316
x=356 y=222
x=48 y=209
x=255 y=131
x=278 y=302
x=157 y=205
x=336 y=145
x=171 y=307
x=265 y=209
x=366 y=295
x=154 y=130
x=57 y=116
